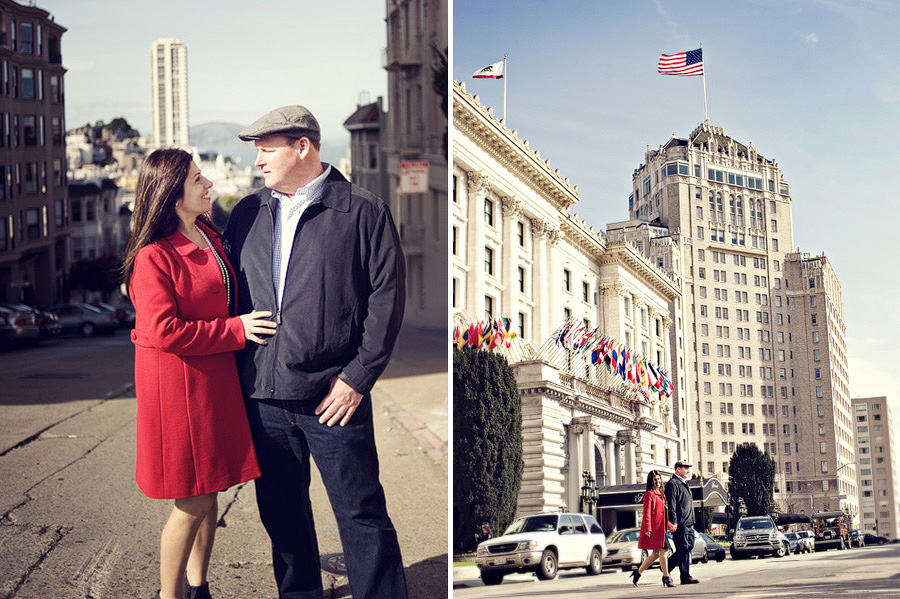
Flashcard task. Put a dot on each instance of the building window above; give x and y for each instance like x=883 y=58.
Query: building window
x=521 y=280
x=488 y=307
x=567 y=279
x=455 y=236
x=27 y=38
x=488 y=261
x=521 y=325
x=28 y=86
x=813 y=319
x=488 y=212
x=586 y=292
x=520 y=230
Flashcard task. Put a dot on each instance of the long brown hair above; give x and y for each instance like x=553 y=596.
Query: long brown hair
x=160 y=185
x=651 y=477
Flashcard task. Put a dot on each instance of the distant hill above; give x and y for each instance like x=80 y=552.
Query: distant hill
x=222 y=138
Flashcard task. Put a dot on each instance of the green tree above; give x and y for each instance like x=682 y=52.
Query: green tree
x=487 y=444
x=752 y=478
x=98 y=274
x=120 y=127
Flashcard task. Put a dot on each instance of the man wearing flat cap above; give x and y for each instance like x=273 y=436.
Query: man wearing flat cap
x=681 y=514
x=324 y=256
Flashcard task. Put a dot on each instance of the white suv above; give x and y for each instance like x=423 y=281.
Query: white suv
x=544 y=544
x=758 y=535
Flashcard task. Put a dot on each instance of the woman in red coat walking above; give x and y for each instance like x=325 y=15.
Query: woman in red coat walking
x=653 y=529
x=193 y=439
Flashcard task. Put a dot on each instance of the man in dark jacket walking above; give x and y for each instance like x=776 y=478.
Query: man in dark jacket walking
x=681 y=514
x=324 y=257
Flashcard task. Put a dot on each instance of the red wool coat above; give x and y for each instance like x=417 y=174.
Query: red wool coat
x=192 y=431
x=654 y=520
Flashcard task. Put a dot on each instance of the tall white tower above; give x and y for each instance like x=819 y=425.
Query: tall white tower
x=168 y=77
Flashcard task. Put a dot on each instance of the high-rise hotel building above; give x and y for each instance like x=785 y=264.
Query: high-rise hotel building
x=34 y=213
x=876 y=457
x=764 y=335
x=168 y=77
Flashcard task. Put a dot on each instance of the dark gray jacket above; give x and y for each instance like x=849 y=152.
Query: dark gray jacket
x=681 y=505
x=343 y=296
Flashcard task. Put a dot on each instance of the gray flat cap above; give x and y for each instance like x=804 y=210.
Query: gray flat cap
x=290 y=121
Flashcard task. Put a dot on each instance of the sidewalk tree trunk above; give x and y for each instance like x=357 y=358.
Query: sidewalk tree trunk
x=487 y=445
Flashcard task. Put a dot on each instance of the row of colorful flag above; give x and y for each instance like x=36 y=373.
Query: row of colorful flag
x=687 y=64
x=619 y=360
x=489 y=334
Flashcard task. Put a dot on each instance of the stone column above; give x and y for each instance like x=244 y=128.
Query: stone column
x=554 y=282
x=512 y=208
x=477 y=186
x=541 y=276
x=612 y=461
x=576 y=466
x=626 y=439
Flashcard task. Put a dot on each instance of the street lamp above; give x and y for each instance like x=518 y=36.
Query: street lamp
x=588 y=491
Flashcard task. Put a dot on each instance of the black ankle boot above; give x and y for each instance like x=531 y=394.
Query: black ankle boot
x=635 y=577
x=667 y=581
x=189 y=592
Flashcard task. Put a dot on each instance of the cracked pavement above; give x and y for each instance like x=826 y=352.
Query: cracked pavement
x=73 y=523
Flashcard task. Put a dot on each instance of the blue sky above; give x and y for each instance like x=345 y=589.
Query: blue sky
x=243 y=59
x=814 y=84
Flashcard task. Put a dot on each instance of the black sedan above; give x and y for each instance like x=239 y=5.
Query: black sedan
x=875 y=539
x=714 y=551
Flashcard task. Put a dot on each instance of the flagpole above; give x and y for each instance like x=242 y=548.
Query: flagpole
x=505 y=77
x=705 y=112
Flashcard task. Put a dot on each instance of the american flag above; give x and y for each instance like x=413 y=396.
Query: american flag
x=684 y=63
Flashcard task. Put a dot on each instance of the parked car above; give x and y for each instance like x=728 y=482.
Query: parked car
x=543 y=544
x=857 y=539
x=622 y=550
x=124 y=314
x=18 y=326
x=871 y=539
x=800 y=544
x=758 y=535
x=714 y=551
x=48 y=323
x=85 y=319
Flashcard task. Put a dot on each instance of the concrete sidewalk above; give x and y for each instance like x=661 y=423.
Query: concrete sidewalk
x=415 y=388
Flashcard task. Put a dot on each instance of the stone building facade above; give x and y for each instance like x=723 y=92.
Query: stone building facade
x=518 y=252
x=416 y=128
x=876 y=456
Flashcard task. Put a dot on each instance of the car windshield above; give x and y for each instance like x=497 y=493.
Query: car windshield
x=755 y=523
x=90 y=308
x=533 y=524
x=792 y=536
x=629 y=535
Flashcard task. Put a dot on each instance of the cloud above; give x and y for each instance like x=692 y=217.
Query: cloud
x=811 y=39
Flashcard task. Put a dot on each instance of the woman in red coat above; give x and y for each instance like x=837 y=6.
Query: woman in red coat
x=653 y=529
x=193 y=439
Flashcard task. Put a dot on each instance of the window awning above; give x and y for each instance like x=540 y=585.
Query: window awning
x=711 y=494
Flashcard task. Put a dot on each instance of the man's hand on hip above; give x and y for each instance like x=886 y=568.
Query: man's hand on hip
x=339 y=405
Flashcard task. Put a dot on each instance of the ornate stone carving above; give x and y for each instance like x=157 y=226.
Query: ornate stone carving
x=512 y=207
x=478 y=181
x=667 y=322
x=541 y=228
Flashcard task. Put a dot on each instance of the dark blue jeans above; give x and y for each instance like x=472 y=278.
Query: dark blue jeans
x=285 y=434
x=681 y=559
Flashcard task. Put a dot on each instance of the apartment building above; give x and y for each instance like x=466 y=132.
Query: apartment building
x=169 y=93
x=750 y=355
x=416 y=133
x=879 y=498
x=34 y=217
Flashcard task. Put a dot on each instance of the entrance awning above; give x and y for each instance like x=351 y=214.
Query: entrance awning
x=711 y=494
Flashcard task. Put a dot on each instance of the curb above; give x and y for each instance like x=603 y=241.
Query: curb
x=415 y=427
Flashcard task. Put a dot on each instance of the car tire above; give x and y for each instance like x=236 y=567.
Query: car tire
x=549 y=567
x=735 y=555
x=490 y=578
x=720 y=557
x=781 y=551
x=595 y=562
x=704 y=559
x=87 y=329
